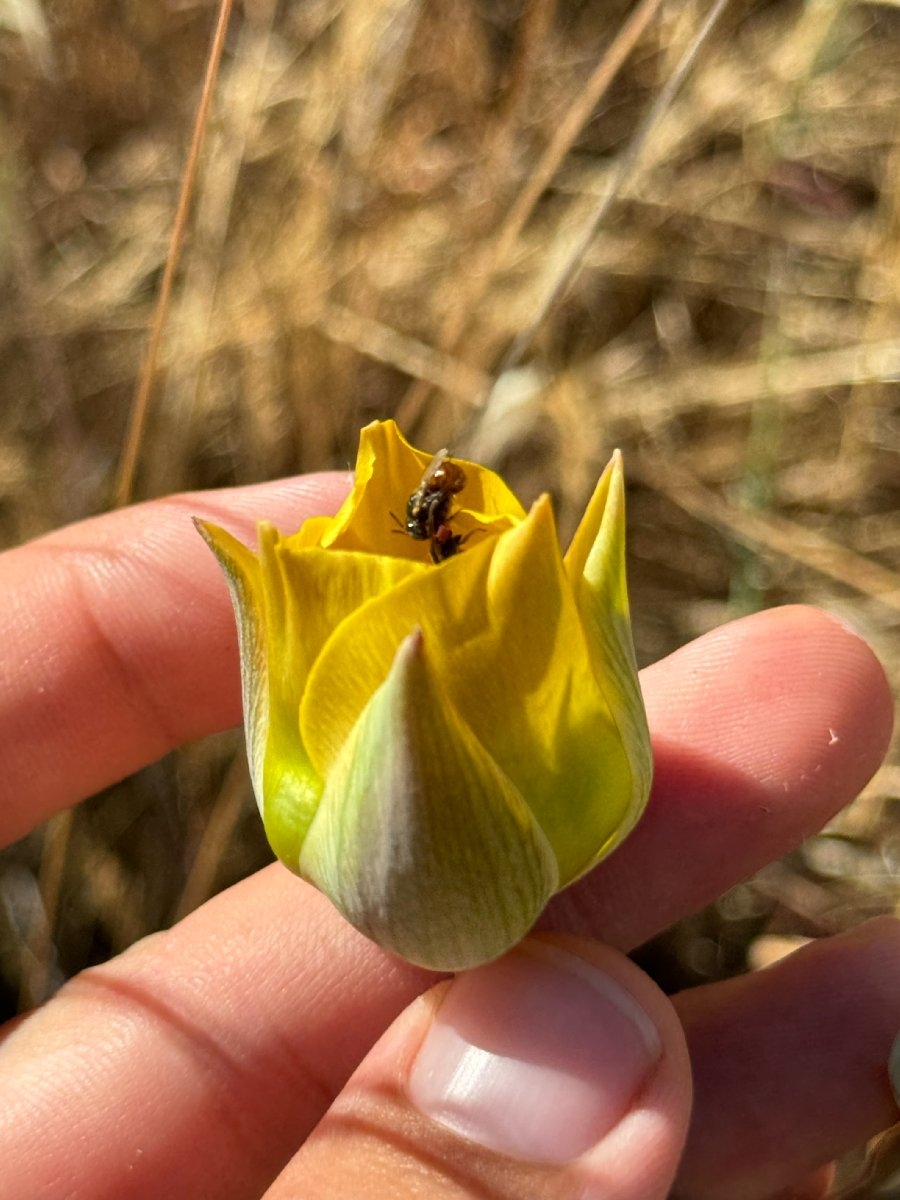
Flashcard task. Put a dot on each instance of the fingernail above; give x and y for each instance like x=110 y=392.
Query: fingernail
x=536 y=1056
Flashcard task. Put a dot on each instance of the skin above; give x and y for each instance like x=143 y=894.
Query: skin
x=199 y=1063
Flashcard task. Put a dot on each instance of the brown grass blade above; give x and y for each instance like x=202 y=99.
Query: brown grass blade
x=769 y=532
x=626 y=166
x=141 y=403
x=498 y=250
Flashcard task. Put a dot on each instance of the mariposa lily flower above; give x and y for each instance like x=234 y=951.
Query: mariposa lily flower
x=440 y=746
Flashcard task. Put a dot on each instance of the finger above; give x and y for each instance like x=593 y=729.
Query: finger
x=117 y=642
x=226 y=1019
x=203 y=1056
x=557 y=1073
x=791 y=1064
x=762 y=730
x=213 y=1050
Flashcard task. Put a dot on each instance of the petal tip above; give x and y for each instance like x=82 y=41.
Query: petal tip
x=206 y=529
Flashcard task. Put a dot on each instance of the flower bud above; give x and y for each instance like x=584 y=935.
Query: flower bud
x=444 y=723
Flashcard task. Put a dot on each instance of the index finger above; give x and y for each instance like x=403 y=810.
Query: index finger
x=117 y=641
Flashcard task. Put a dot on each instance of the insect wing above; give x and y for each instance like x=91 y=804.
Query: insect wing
x=433 y=467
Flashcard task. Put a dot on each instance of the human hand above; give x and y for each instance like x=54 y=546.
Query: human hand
x=199 y=1063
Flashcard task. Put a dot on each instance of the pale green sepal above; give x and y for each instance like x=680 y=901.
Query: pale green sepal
x=242 y=574
x=286 y=785
x=420 y=840
x=595 y=563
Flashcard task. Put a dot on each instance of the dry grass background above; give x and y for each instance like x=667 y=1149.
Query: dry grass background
x=388 y=192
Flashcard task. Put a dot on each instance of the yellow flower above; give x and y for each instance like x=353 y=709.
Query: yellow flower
x=440 y=748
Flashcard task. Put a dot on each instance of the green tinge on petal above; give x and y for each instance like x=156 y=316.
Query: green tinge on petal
x=288 y=600
x=595 y=564
x=286 y=785
x=420 y=840
x=528 y=689
x=242 y=573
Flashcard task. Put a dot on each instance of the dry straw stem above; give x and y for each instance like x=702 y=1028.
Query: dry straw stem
x=220 y=827
x=38 y=948
x=771 y=533
x=489 y=261
x=791 y=379
x=626 y=165
x=379 y=341
x=131 y=449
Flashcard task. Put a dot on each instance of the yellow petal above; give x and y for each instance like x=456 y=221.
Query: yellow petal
x=357 y=657
x=420 y=840
x=286 y=785
x=527 y=689
x=595 y=564
x=311 y=532
x=506 y=641
x=388 y=470
x=287 y=602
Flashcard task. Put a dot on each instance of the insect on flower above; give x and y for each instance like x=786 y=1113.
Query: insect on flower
x=428 y=508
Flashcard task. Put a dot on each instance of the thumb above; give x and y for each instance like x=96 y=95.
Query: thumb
x=558 y=1072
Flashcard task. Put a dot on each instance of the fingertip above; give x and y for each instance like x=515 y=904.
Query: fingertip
x=558 y=1070
x=838 y=647
x=865 y=672
x=762 y=730
x=784 y=696
x=793 y=1057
